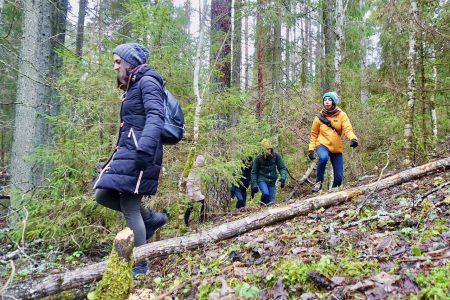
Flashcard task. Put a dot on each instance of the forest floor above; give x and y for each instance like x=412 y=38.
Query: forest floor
x=391 y=244
x=394 y=244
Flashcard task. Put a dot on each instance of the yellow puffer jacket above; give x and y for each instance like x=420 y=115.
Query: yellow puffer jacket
x=321 y=134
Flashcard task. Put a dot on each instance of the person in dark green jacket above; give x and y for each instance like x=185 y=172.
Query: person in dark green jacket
x=265 y=169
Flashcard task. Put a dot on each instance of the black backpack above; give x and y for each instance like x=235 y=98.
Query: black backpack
x=173 y=129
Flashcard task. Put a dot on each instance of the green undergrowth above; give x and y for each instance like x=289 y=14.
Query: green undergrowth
x=435 y=285
x=72 y=224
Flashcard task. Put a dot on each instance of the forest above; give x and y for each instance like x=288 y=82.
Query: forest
x=243 y=71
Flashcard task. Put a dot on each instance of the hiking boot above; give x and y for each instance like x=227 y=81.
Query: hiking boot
x=317 y=187
x=140 y=270
x=155 y=221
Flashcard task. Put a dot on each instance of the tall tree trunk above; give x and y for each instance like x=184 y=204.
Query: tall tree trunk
x=423 y=99
x=329 y=43
x=276 y=59
x=247 y=60
x=364 y=91
x=409 y=122
x=237 y=33
x=187 y=14
x=221 y=40
x=198 y=64
x=260 y=58
x=303 y=49
x=309 y=41
x=432 y=101
x=339 y=40
x=217 y=190
x=80 y=27
x=33 y=92
x=2 y=3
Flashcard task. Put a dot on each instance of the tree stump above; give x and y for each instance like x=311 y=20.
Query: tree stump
x=117 y=280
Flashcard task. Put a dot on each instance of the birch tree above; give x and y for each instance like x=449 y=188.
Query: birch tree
x=432 y=101
x=411 y=83
x=338 y=41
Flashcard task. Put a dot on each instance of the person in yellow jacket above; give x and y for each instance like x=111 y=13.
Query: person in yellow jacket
x=326 y=131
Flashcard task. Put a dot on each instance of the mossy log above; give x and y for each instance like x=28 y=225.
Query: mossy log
x=79 y=277
x=117 y=282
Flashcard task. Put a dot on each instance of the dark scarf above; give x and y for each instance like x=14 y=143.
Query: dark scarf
x=330 y=112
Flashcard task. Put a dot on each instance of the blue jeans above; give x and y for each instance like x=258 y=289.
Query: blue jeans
x=337 y=161
x=241 y=197
x=267 y=191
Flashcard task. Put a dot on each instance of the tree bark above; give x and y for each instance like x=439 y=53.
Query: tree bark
x=198 y=65
x=409 y=122
x=364 y=91
x=33 y=92
x=237 y=53
x=276 y=59
x=328 y=43
x=338 y=43
x=432 y=101
x=221 y=40
x=80 y=27
x=117 y=281
x=246 y=61
x=260 y=58
x=75 y=278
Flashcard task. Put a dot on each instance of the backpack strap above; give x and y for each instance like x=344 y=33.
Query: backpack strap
x=327 y=122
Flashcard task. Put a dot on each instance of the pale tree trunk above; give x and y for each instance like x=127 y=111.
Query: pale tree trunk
x=260 y=59
x=2 y=3
x=423 y=104
x=247 y=61
x=432 y=101
x=309 y=43
x=187 y=14
x=409 y=151
x=276 y=60
x=80 y=28
x=364 y=91
x=198 y=64
x=339 y=40
x=237 y=53
x=33 y=92
x=328 y=43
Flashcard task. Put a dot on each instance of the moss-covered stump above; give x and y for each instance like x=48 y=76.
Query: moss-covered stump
x=117 y=280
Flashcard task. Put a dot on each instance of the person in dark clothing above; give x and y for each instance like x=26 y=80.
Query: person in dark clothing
x=265 y=169
x=240 y=192
x=133 y=168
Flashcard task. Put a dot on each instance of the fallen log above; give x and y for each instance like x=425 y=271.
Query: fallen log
x=59 y=282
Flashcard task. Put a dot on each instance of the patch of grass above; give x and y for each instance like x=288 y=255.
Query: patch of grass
x=436 y=284
x=294 y=273
x=348 y=267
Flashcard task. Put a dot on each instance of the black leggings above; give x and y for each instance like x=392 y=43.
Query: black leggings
x=187 y=214
x=131 y=207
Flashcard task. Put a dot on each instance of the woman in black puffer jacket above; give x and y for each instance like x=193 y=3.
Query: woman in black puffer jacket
x=133 y=168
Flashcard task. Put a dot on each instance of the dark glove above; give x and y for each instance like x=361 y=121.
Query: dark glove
x=311 y=155
x=283 y=182
x=141 y=160
x=353 y=143
x=254 y=191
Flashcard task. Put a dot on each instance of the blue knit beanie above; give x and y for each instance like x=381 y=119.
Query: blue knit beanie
x=334 y=97
x=132 y=53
